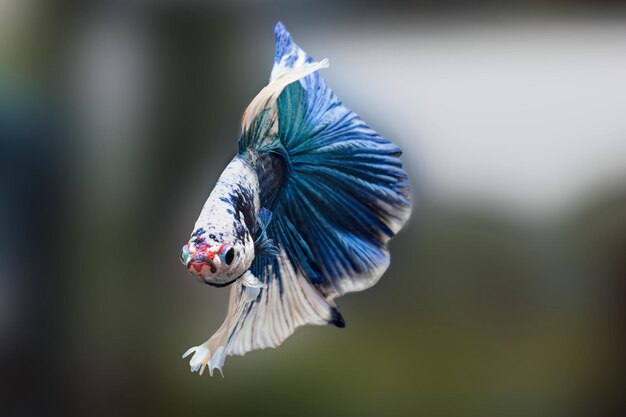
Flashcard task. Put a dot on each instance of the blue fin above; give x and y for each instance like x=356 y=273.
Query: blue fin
x=260 y=119
x=263 y=245
x=345 y=195
x=263 y=219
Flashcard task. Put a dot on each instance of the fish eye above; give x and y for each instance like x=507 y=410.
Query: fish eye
x=229 y=256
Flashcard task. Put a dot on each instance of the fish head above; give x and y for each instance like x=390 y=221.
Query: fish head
x=213 y=262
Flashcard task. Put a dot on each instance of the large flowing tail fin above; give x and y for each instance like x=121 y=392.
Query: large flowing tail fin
x=344 y=197
x=346 y=194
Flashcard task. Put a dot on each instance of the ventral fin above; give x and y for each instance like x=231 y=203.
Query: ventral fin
x=263 y=245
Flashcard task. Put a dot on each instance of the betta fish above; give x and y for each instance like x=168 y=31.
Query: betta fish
x=300 y=216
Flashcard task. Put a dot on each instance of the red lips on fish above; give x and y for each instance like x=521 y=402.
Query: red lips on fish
x=198 y=265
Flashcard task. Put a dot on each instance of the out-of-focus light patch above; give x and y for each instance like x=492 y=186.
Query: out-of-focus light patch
x=14 y=16
x=16 y=20
x=111 y=87
x=527 y=116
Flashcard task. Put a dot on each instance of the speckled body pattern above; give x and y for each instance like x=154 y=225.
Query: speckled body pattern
x=229 y=218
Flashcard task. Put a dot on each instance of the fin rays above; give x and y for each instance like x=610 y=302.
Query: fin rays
x=265 y=100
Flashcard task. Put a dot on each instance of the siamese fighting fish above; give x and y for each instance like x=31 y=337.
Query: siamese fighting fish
x=300 y=216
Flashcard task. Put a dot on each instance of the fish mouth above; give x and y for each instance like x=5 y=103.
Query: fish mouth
x=198 y=263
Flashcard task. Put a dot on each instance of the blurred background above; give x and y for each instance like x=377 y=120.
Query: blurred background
x=505 y=296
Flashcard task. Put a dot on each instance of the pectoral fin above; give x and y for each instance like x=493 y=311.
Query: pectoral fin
x=252 y=286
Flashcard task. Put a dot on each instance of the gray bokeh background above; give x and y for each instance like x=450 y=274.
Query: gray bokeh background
x=505 y=293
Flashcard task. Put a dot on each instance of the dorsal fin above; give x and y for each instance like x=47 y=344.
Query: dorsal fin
x=260 y=122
